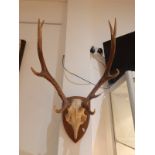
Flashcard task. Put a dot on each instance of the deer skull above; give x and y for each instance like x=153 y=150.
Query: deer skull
x=76 y=116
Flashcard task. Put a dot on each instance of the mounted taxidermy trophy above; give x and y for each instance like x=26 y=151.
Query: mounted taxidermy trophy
x=76 y=109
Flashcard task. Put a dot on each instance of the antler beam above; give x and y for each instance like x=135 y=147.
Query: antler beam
x=44 y=71
x=107 y=75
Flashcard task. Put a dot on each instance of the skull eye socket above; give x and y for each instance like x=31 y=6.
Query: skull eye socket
x=68 y=118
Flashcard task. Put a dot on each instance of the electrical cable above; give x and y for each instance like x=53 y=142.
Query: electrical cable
x=88 y=82
x=117 y=141
x=98 y=60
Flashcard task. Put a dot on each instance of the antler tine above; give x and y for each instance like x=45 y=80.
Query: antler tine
x=40 y=53
x=44 y=71
x=39 y=46
x=112 y=52
x=107 y=75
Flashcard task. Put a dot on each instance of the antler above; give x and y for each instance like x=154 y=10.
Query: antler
x=107 y=75
x=44 y=71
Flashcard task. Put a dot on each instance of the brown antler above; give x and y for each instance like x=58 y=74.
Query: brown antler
x=107 y=75
x=45 y=73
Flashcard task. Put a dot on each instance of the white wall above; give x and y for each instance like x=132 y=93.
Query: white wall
x=52 y=11
x=87 y=25
x=38 y=123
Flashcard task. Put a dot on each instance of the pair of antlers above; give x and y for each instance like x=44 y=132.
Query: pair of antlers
x=46 y=74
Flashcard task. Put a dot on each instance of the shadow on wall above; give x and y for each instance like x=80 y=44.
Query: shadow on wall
x=52 y=135
x=52 y=141
x=53 y=128
x=67 y=146
x=56 y=120
x=103 y=142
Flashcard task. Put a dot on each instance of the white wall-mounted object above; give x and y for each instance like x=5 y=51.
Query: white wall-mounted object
x=129 y=77
x=122 y=105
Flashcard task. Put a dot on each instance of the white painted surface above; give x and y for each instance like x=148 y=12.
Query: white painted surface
x=131 y=89
x=38 y=123
x=122 y=150
x=129 y=77
x=87 y=25
x=48 y=10
x=36 y=95
x=123 y=121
